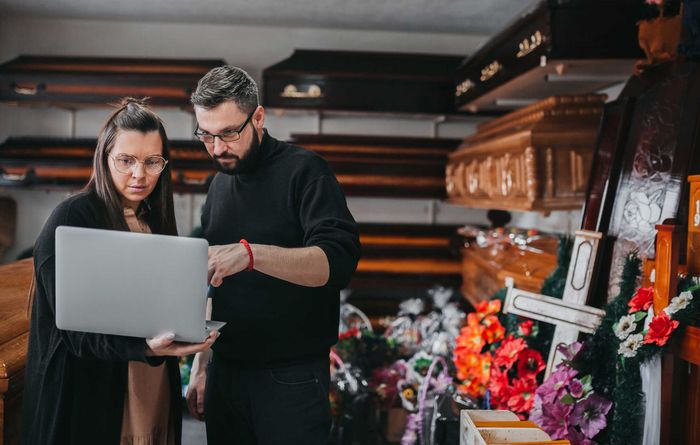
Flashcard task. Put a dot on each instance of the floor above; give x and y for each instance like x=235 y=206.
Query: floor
x=193 y=432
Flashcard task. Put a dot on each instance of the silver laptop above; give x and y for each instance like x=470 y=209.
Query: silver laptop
x=133 y=284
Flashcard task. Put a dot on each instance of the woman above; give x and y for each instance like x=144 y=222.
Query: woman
x=94 y=388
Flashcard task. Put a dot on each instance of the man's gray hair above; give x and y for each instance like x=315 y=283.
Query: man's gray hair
x=226 y=83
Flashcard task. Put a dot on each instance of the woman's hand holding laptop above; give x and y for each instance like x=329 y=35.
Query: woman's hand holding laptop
x=164 y=345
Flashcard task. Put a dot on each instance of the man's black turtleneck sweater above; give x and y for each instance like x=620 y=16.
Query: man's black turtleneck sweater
x=290 y=199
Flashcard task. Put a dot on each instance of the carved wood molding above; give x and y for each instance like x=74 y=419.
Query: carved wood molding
x=537 y=158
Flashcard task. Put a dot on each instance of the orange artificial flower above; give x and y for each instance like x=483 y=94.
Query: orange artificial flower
x=471 y=337
x=494 y=330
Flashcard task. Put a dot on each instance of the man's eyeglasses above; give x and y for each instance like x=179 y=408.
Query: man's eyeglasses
x=127 y=163
x=227 y=136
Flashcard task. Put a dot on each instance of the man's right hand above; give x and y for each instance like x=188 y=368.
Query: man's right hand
x=195 y=389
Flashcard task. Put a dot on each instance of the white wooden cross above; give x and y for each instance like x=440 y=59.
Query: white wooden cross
x=570 y=315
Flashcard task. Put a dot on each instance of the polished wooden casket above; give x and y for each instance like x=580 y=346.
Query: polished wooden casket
x=361 y=81
x=384 y=166
x=14 y=334
x=77 y=81
x=486 y=268
x=537 y=158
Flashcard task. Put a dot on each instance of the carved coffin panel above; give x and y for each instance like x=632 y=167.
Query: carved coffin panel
x=537 y=158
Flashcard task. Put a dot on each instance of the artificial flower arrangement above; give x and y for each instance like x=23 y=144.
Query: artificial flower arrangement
x=595 y=395
x=635 y=335
x=566 y=406
x=499 y=368
x=394 y=367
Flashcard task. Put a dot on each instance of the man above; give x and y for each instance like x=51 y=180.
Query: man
x=283 y=244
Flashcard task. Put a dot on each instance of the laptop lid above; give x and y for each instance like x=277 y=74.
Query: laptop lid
x=132 y=284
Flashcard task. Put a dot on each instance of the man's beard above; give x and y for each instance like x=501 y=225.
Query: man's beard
x=246 y=164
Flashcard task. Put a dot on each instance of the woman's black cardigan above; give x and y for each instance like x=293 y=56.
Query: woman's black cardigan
x=75 y=382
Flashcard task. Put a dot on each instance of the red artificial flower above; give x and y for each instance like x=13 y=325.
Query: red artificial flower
x=660 y=329
x=508 y=352
x=642 y=299
x=530 y=364
x=350 y=333
x=526 y=328
x=500 y=391
x=494 y=330
x=523 y=395
x=474 y=319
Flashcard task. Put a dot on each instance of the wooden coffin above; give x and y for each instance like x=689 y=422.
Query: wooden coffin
x=500 y=427
x=485 y=269
x=14 y=327
x=537 y=158
x=554 y=48
x=403 y=261
x=384 y=166
x=76 y=81
x=49 y=162
x=361 y=81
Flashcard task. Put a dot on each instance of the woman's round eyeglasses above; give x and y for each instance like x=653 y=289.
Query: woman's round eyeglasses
x=127 y=163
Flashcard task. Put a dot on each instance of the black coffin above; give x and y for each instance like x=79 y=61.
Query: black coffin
x=361 y=81
x=556 y=47
x=81 y=81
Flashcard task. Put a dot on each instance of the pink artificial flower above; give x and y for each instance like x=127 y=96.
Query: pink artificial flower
x=576 y=388
x=555 y=419
x=578 y=438
x=589 y=414
x=555 y=386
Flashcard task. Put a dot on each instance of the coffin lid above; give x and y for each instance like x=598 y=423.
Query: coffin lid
x=553 y=48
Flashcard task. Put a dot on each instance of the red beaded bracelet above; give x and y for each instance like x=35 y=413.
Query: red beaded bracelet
x=251 y=262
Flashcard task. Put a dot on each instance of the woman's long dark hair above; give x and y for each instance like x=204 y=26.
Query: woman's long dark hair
x=158 y=209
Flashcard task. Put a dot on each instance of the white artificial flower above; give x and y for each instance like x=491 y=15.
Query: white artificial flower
x=412 y=306
x=628 y=348
x=625 y=326
x=441 y=295
x=679 y=303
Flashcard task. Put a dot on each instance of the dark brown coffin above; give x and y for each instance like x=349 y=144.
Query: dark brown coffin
x=401 y=261
x=384 y=166
x=46 y=162
x=15 y=279
x=361 y=81
x=75 y=81
x=556 y=47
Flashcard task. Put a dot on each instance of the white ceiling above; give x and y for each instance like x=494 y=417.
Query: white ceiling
x=484 y=17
